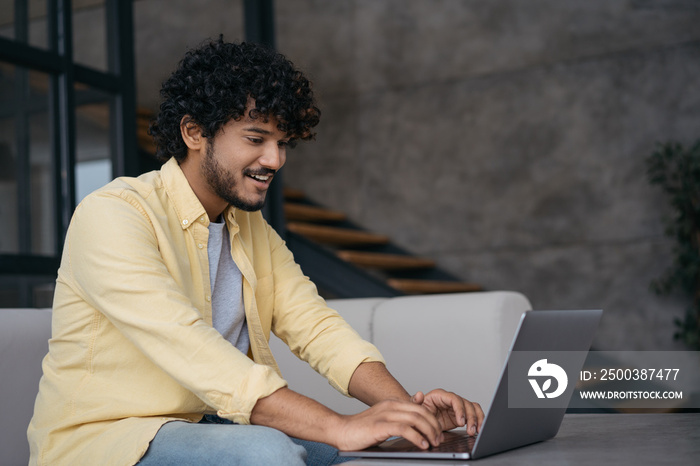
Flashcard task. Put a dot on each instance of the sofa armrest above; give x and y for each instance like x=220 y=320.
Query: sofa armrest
x=24 y=336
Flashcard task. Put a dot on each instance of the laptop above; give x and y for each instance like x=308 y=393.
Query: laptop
x=546 y=344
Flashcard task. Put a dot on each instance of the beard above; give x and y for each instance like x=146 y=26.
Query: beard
x=223 y=182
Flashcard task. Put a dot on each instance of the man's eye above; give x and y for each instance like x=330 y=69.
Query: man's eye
x=283 y=143
x=255 y=140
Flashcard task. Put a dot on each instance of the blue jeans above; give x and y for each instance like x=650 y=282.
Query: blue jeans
x=216 y=441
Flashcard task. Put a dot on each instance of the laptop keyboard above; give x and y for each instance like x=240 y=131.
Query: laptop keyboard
x=455 y=443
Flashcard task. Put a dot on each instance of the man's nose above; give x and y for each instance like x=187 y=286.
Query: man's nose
x=273 y=157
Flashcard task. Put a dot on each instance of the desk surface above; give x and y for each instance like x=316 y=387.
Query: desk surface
x=601 y=439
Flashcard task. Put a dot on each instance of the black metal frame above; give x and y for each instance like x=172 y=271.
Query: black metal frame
x=259 y=19
x=58 y=63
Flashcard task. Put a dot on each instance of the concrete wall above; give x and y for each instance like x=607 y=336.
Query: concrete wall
x=504 y=138
x=165 y=29
x=507 y=139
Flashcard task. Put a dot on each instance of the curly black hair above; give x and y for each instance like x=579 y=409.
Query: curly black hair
x=213 y=84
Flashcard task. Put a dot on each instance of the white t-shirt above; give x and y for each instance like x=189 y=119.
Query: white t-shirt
x=228 y=312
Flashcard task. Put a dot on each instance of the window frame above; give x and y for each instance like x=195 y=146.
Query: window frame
x=25 y=269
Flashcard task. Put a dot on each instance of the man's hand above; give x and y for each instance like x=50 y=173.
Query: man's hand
x=420 y=419
x=451 y=410
x=302 y=417
x=389 y=418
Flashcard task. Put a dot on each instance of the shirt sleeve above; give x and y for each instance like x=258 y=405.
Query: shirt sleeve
x=314 y=332
x=115 y=262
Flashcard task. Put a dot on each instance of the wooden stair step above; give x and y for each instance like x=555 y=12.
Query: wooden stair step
x=146 y=143
x=413 y=286
x=143 y=121
x=336 y=236
x=293 y=194
x=142 y=128
x=385 y=261
x=143 y=112
x=309 y=213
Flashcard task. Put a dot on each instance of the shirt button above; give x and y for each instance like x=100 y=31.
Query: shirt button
x=200 y=245
x=185 y=222
x=208 y=298
x=201 y=219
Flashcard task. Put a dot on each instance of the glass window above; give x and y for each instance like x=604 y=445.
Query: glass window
x=8 y=162
x=42 y=190
x=35 y=134
x=90 y=33
x=32 y=29
x=38 y=24
x=26 y=164
x=18 y=290
x=7 y=19
x=93 y=168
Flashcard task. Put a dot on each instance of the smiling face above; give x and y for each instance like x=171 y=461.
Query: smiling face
x=236 y=166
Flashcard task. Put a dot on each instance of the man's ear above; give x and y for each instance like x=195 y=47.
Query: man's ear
x=191 y=133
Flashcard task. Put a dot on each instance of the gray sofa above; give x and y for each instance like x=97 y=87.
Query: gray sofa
x=455 y=341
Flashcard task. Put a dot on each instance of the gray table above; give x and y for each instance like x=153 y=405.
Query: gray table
x=601 y=439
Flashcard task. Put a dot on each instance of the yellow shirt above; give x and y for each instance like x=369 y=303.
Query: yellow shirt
x=132 y=342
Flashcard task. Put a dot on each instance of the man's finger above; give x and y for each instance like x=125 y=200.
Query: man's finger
x=415 y=416
x=418 y=398
x=475 y=417
x=480 y=416
x=448 y=401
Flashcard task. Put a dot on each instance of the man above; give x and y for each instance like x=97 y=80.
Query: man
x=170 y=284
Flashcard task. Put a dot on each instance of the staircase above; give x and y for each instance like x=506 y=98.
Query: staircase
x=355 y=262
